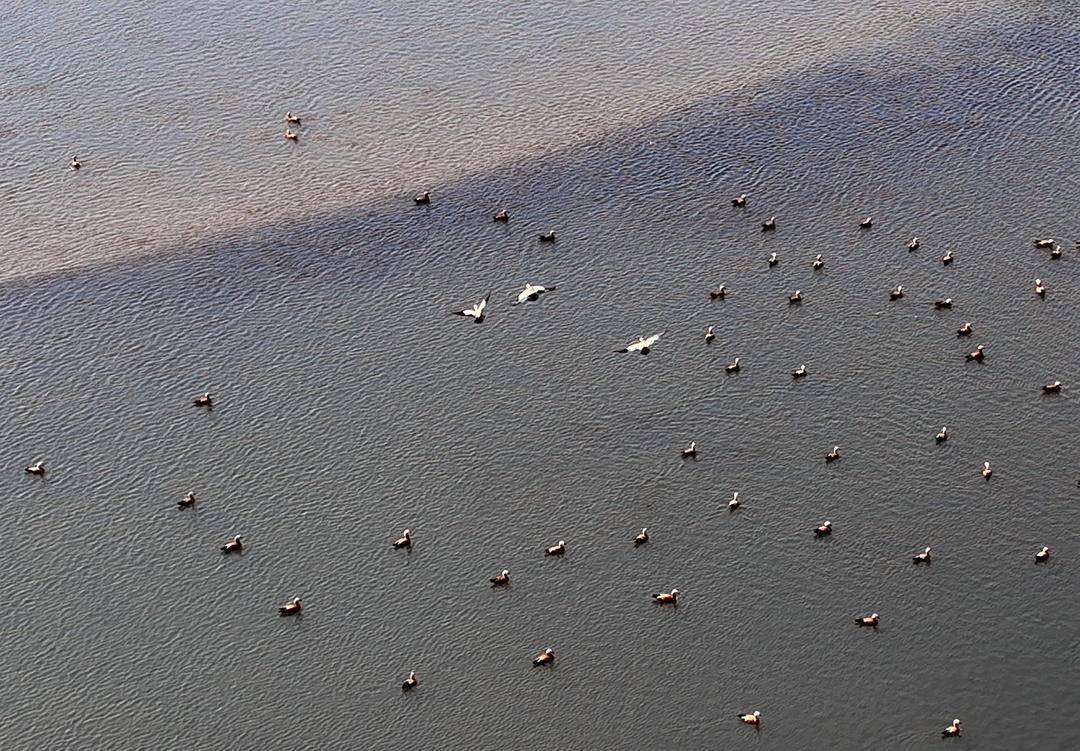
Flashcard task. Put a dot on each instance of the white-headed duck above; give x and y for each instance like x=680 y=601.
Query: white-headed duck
x=690 y=451
x=719 y=293
x=750 y=718
x=709 y=335
x=769 y=224
x=1046 y=242
x=502 y=579
x=733 y=366
x=978 y=355
x=405 y=541
x=947 y=258
x=1040 y=288
x=795 y=298
x=234 y=545
x=734 y=503
x=292 y=607
x=867 y=223
x=799 y=372
x=557 y=549
x=986 y=471
x=823 y=529
x=642 y=537
x=773 y=260
x=868 y=620
x=37 y=468
x=667 y=598
x=739 y=200
x=818 y=263
x=943 y=304
x=952 y=730
x=964 y=330
x=187 y=501
x=502 y=216
x=923 y=557
x=833 y=455
x=914 y=244
x=943 y=435
x=1043 y=555
x=549 y=236
x=544 y=658
x=1052 y=388
x=291 y=119
x=897 y=292
x=291 y=135
x=410 y=683
x=423 y=199
x=203 y=401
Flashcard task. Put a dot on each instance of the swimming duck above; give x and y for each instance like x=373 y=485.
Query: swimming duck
x=292 y=119
x=986 y=470
x=501 y=216
x=823 y=529
x=947 y=258
x=953 y=730
x=709 y=335
x=690 y=451
x=1055 y=252
x=409 y=683
x=75 y=163
x=818 y=263
x=38 y=468
x=914 y=244
x=643 y=344
x=978 y=355
x=964 y=330
x=291 y=135
x=476 y=312
x=833 y=455
x=923 y=557
x=799 y=372
x=945 y=304
x=734 y=503
x=867 y=223
x=795 y=298
x=557 y=549
x=544 y=658
x=423 y=199
x=292 y=607
x=187 y=501
x=501 y=580
x=943 y=435
x=733 y=366
x=234 y=545
x=897 y=293
x=667 y=598
x=548 y=237
x=739 y=200
x=1040 y=290
x=203 y=401
x=1046 y=242
x=531 y=293
x=868 y=620
x=773 y=260
x=642 y=538
x=405 y=541
x=1052 y=388
x=1043 y=555
x=753 y=718
x=769 y=224
x=719 y=293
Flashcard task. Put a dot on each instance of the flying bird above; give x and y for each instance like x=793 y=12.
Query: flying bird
x=476 y=312
x=531 y=293
x=643 y=344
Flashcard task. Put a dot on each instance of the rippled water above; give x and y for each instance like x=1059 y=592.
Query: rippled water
x=350 y=404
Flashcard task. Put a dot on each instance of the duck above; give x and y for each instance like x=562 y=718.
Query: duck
x=292 y=607
x=476 y=312
x=203 y=401
x=709 y=335
x=1040 y=290
x=947 y=258
x=734 y=503
x=733 y=366
x=867 y=223
x=824 y=529
x=557 y=549
x=739 y=200
x=913 y=244
x=643 y=344
x=795 y=298
x=423 y=199
x=1055 y=252
x=187 y=501
x=773 y=260
x=977 y=355
x=405 y=541
x=986 y=470
x=37 y=468
x=965 y=330
x=690 y=452
x=292 y=119
x=501 y=216
x=502 y=579
x=549 y=236
x=1046 y=242
x=1052 y=388
x=897 y=293
x=799 y=372
x=923 y=557
x=75 y=164
x=833 y=455
x=943 y=435
x=751 y=718
x=868 y=620
x=953 y=730
x=642 y=537
x=667 y=598
x=1043 y=555
x=944 y=304
x=769 y=224
x=234 y=545
x=409 y=683
x=531 y=293
x=719 y=293
x=818 y=262
x=291 y=135
x=544 y=658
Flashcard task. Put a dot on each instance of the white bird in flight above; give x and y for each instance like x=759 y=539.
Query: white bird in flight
x=531 y=293
x=476 y=311
x=643 y=344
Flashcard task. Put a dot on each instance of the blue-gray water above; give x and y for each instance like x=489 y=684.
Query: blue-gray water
x=350 y=404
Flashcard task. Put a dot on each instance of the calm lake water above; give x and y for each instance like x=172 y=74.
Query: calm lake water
x=197 y=250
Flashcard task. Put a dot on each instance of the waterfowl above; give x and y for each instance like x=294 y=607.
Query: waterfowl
x=292 y=119
x=37 y=468
x=187 y=501
x=739 y=200
x=405 y=541
x=291 y=135
x=719 y=293
x=1043 y=555
x=234 y=545
x=945 y=304
x=423 y=199
x=953 y=730
x=203 y=401
x=943 y=435
x=75 y=163
x=544 y=658
x=833 y=455
x=965 y=330
x=897 y=293
x=753 y=718
x=409 y=683
x=1046 y=242
x=733 y=366
x=914 y=244
x=976 y=355
x=867 y=223
x=548 y=237
x=1040 y=290
x=557 y=549
x=868 y=620
x=501 y=216
x=531 y=293
x=818 y=263
x=799 y=372
x=643 y=344
x=642 y=537
x=292 y=607
x=823 y=529
x=476 y=312
x=667 y=598
x=923 y=557
x=709 y=335
x=1052 y=388
x=690 y=451
x=1055 y=252
x=947 y=258
x=769 y=224
x=986 y=470
x=734 y=503
x=773 y=260
x=795 y=298
x=501 y=580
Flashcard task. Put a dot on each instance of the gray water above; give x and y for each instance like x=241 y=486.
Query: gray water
x=350 y=404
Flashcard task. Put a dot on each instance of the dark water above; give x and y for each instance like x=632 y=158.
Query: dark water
x=351 y=405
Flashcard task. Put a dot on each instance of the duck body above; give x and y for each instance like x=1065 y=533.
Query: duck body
x=795 y=298
x=203 y=401
x=187 y=501
x=799 y=372
x=549 y=236
x=913 y=244
x=978 y=355
x=291 y=135
x=733 y=366
x=719 y=293
x=945 y=304
x=557 y=549
x=923 y=557
x=833 y=455
x=867 y=223
x=423 y=199
x=405 y=541
x=870 y=621
x=769 y=224
x=502 y=579
x=234 y=545
x=690 y=451
x=773 y=260
x=750 y=718
x=824 y=529
x=818 y=263
x=667 y=598
x=709 y=335
x=410 y=683
x=952 y=730
x=1052 y=388
x=964 y=330
x=739 y=201
x=897 y=293
x=291 y=119
x=1043 y=555
x=501 y=216
x=642 y=537
x=942 y=436
x=75 y=164
x=37 y=469
x=292 y=607
x=544 y=658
